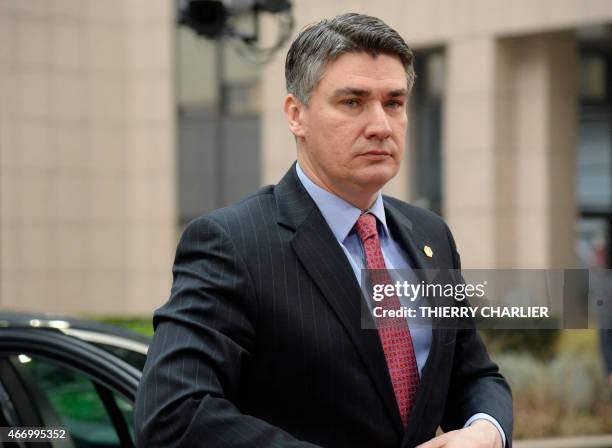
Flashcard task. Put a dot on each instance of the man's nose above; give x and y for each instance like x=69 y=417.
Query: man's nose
x=378 y=125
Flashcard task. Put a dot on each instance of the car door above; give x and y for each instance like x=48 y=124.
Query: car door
x=51 y=380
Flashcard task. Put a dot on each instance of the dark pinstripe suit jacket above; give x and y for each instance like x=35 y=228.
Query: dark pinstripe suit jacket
x=260 y=344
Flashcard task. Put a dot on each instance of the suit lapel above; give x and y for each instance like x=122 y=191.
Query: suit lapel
x=413 y=240
x=326 y=263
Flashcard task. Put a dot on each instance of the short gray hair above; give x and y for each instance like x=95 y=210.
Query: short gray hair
x=326 y=40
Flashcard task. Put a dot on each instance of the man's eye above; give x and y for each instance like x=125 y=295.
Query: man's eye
x=352 y=103
x=395 y=105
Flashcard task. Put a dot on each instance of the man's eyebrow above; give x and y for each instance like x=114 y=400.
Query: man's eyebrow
x=398 y=93
x=353 y=91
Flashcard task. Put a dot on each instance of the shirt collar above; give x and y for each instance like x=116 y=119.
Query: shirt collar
x=339 y=214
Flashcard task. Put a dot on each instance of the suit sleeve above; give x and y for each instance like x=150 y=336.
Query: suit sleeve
x=204 y=335
x=476 y=384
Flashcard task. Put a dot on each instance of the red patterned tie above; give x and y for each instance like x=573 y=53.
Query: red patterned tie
x=393 y=332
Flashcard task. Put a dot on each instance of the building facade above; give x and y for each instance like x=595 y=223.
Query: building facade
x=87 y=155
x=116 y=129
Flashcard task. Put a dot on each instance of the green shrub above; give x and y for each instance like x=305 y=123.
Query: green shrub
x=565 y=396
x=541 y=344
x=138 y=324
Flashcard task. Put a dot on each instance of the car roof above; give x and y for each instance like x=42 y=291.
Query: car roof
x=87 y=330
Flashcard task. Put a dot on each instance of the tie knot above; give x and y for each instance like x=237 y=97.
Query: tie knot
x=366 y=226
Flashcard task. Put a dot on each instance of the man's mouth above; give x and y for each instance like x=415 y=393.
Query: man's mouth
x=377 y=153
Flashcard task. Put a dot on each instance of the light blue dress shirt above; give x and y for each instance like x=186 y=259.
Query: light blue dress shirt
x=341 y=218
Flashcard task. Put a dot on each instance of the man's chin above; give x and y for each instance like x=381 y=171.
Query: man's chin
x=375 y=177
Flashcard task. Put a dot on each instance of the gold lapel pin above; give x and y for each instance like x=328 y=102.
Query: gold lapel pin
x=428 y=251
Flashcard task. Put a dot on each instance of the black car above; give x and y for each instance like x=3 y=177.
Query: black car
x=73 y=375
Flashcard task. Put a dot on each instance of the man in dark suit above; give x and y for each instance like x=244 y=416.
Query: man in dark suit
x=261 y=342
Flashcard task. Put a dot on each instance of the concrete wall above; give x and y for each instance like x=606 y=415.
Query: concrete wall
x=87 y=155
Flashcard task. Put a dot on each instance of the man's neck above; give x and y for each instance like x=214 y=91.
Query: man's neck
x=361 y=201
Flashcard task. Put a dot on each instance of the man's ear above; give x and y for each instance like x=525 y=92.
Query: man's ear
x=294 y=111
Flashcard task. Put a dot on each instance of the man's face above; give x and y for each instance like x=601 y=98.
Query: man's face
x=351 y=135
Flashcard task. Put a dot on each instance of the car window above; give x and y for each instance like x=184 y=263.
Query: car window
x=127 y=411
x=8 y=417
x=67 y=398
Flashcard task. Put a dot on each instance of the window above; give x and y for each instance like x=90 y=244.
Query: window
x=218 y=125
x=426 y=129
x=594 y=166
x=92 y=414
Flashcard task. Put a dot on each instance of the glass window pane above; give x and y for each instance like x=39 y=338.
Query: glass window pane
x=426 y=131
x=69 y=398
x=593 y=78
x=127 y=410
x=594 y=164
